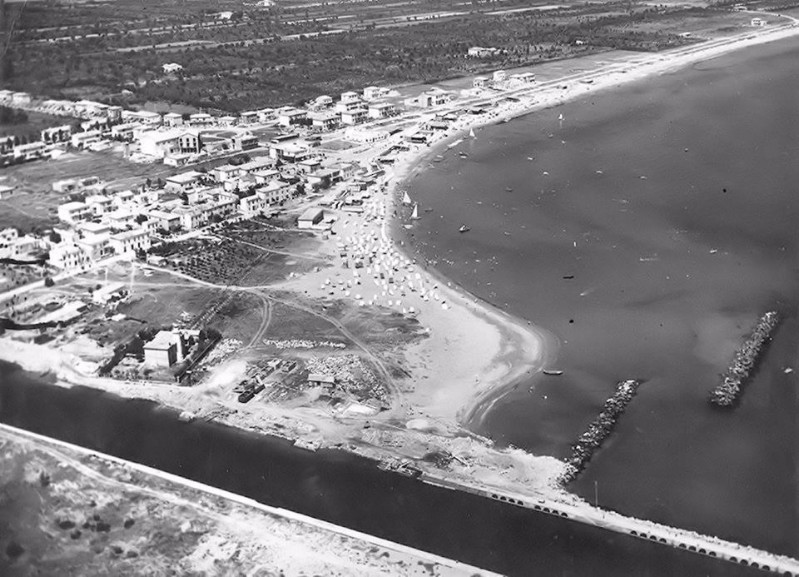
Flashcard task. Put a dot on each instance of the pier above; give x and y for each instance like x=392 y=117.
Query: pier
x=582 y=512
x=728 y=391
x=599 y=429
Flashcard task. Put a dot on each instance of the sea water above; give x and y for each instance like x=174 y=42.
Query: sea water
x=647 y=230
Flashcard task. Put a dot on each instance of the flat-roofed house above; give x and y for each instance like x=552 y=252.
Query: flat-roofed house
x=68 y=257
x=183 y=181
x=130 y=241
x=74 y=212
x=325 y=120
x=382 y=110
x=310 y=218
x=162 y=351
x=291 y=116
x=252 y=205
x=352 y=117
x=173 y=119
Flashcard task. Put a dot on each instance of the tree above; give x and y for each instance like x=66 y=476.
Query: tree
x=48 y=281
x=55 y=237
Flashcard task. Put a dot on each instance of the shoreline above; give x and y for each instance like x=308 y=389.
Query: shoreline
x=414 y=163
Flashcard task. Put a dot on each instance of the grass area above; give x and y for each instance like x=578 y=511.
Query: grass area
x=291 y=323
x=109 y=166
x=29 y=211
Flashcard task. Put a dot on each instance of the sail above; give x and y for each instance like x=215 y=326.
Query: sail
x=406 y=199
x=471 y=133
x=415 y=211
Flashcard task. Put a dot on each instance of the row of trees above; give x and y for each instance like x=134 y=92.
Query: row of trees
x=238 y=75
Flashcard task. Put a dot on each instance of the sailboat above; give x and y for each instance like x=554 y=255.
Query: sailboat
x=415 y=214
x=471 y=133
x=406 y=199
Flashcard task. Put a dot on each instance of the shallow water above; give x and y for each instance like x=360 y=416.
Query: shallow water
x=673 y=205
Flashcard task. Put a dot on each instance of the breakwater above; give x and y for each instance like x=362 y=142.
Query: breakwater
x=677 y=538
x=599 y=429
x=729 y=389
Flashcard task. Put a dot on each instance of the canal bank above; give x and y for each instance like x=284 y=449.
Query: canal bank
x=338 y=487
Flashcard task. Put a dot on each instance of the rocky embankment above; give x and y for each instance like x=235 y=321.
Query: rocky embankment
x=743 y=363
x=599 y=429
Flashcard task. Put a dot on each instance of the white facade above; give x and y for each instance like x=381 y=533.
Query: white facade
x=72 y=212
x=68 y=257
x=130 y=241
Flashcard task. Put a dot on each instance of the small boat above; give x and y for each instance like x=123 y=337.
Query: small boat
x=463 y=228
x=471 y=133
x=508 y=189
x=463 y=155
x=552 y=372
x=406 y=199
x=428 y=210
x=415 y=214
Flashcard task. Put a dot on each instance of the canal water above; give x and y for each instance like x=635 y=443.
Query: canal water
x=338 y=487
x=647 y=230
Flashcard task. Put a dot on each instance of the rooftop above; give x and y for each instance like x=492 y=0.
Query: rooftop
x=163 y=341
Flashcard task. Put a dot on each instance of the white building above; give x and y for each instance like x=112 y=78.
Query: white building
x=382 y=110
x=364 y=135
x=172 y=67
x=74 y=212
x=200 y=119
x=130 y=241
x=183 y=181
x=323 y=101
x=350 y=97
x=310 y=218
x=480 y=52
x=291 y=116
x=68 y=257
x=84 y=139
x=276 y=192
x=162 y=351
x=99 y=204
x=173 y=119
x=325 y=121
x=161 y=143
x=353 y=117
x=30 y=151
x=250 y=206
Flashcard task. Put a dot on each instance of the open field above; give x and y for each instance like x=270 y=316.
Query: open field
x=109 y=166
x=28 y=211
